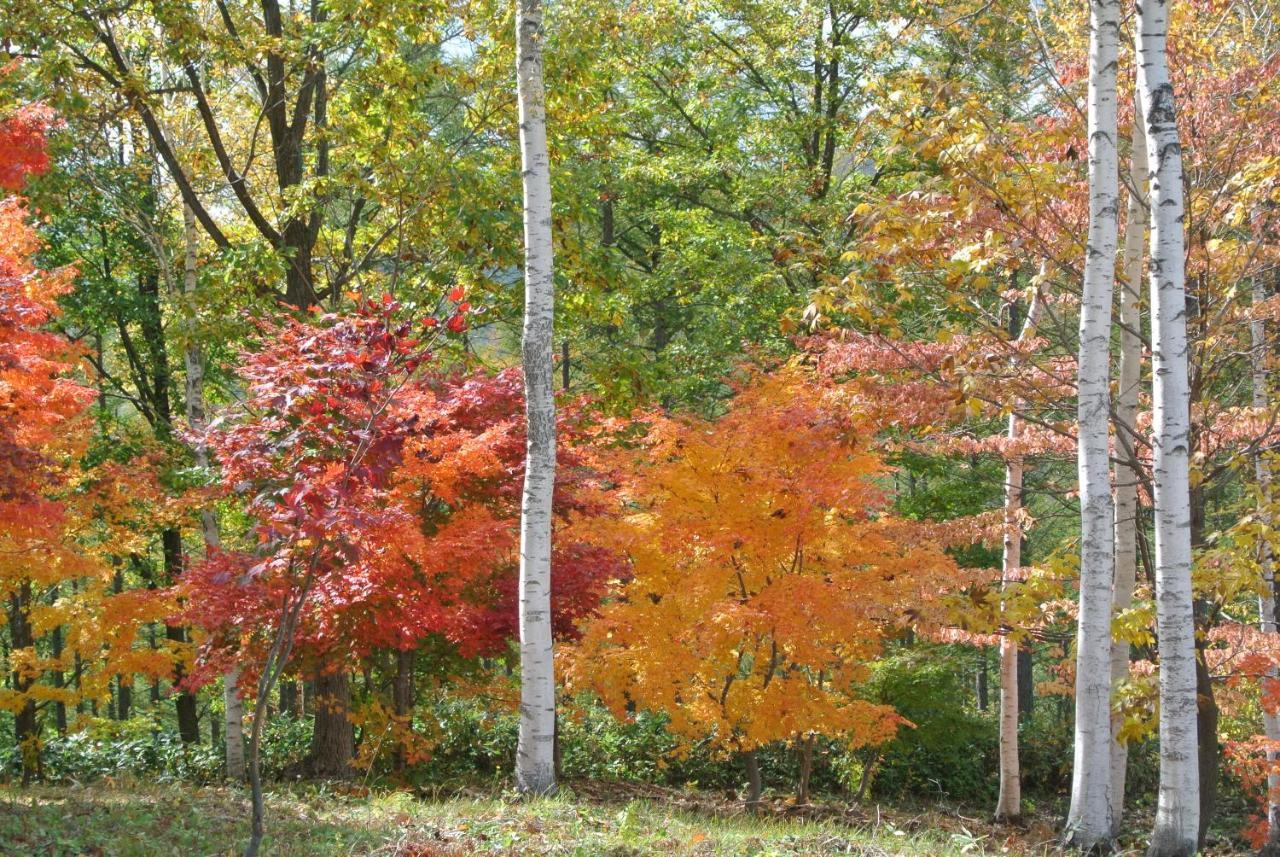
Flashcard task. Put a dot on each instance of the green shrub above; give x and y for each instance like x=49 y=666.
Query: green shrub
x=951 y=751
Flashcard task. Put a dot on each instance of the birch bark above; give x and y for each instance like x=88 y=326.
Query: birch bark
x=1267 y=600
x=1178 y=805
x=535 y=755
x=197 y=419
x=1089 y=819
x=1126 y=414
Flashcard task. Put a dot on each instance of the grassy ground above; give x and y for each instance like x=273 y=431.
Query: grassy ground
x=183 y=821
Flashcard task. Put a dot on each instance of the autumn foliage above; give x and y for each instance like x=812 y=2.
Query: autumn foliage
x=766 y=574
x=384 y=491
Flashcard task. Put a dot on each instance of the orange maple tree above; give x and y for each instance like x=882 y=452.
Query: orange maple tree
x=766 y=574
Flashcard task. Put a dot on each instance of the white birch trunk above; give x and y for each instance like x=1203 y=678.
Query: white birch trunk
x=1009 y=802
x=1267 y=600
x=197 y=418
x=1126 y=487
x=535 y=762
x=1178 y=806
x=1089 y=819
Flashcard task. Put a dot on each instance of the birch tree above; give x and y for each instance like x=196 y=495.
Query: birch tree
x=1178 y=806
x=1089 y=820
x=1126 y=413
x=1266 y=600
x=535 y=762
x=197 y=419
x=1009 y=802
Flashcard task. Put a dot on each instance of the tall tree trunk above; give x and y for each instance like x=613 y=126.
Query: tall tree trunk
x=1178 y=806
x=59 y=678
x=184 y=701
x=1009 y=803
x=1267 y=600
x=1126 y=482
x=535 y=754
x=403 y=698
x=333 y=739
x=124 y=692
x=1089 y=819
x=160 y=417
x=198 y=419
x=26 y=726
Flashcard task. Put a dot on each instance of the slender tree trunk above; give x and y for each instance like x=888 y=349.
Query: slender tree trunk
x=1089 y=819
x=403 y=698
x=1026 y=682
x=1210 y=751
x=198 y=419
x=755 y=786
x=26 y=726
x=535 y=762
x=333 y=742
x=1009 y=803
x=1267 y=600
x=184 y=701
x=982 y=681
x=124 y=693
x=1126 y=482
x=1178 y=806
x=59 y=678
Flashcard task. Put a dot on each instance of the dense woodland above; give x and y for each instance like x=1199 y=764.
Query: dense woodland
x=787 y=409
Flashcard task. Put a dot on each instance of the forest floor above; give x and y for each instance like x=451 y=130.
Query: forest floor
x=588 y=820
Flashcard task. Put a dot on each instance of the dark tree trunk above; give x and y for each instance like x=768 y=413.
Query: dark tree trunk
x=59 y=681
x=1206 y=705
x=403 y=699
x=333 y=739
x=297 y=245
x=984 y=694
x=155 y=392
x=755 y=787
x=124 y=699
x=215 y=733
x=1207 y=731
x=289 y=699
x=184 y=700
x=26 y=727
x=124 y=690
x=806 y=770
x=1026 y=683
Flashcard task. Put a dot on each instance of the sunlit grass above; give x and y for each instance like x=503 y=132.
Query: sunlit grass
x=144 y=820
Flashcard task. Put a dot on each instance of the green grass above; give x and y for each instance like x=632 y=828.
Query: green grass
x=182 y=821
